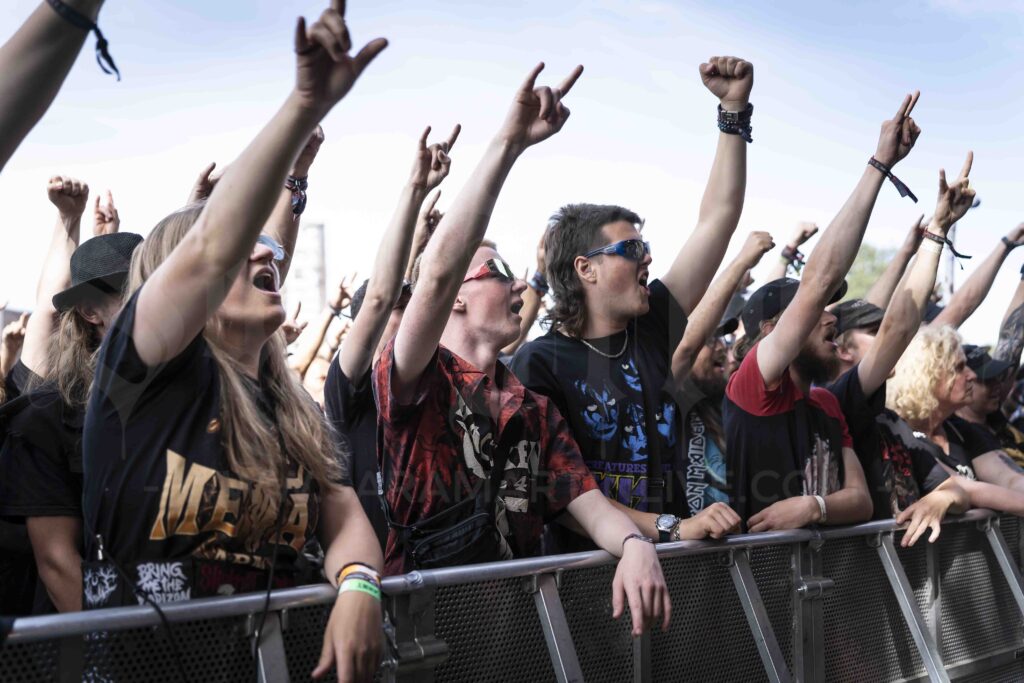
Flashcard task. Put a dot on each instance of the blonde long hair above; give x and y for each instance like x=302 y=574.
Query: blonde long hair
x=252 y=446
x=71 y=358
x=929 y=362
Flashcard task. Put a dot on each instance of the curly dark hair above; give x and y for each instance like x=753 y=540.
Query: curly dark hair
x=574 y=230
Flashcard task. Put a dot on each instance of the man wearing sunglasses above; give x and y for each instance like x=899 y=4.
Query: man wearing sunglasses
x=606 y=361
x=468 y=453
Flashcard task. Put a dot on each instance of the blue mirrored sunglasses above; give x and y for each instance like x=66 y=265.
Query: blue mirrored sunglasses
x=271 y=243
x=634 y=250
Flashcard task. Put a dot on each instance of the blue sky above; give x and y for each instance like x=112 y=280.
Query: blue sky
x=200 y=78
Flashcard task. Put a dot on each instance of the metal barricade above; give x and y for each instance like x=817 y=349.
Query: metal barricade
x=836 y=604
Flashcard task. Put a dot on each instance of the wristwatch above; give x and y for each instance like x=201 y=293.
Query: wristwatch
x=666 y=524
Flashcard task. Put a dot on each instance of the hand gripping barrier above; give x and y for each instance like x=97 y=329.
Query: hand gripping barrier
x=832 y=604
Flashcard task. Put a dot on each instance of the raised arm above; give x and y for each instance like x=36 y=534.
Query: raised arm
x=903 y=316
x=836 y=250
x=12 y=340
x=536 y=114
x=33 y=65
x=70 y=196
x=730 y=80
x=973 y=291
x=426 y=223
x=430 y=167
x=191 y=284
x=708 y=313
x=283 y=224
x=882 y=289
x=804 y=232
x=1011 y=332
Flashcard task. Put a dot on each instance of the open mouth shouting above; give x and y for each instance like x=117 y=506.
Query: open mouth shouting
x=265 y=280
x=642 y=281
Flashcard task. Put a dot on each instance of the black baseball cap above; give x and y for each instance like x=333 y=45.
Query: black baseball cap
x=771 y=299
x=985 y=366
x=856 y=314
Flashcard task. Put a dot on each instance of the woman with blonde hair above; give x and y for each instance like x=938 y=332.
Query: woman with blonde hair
x=931 y=383
x=208 y=469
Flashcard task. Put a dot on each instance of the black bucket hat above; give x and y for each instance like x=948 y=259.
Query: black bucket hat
x=772 y=299
x=99 y=265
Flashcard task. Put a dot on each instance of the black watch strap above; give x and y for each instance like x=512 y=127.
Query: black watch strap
x=664 y=536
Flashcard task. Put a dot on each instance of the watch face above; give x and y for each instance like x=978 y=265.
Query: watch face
x=665 y=522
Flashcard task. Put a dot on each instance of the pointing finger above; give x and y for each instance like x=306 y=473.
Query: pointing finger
x=913 y=102
x=369 y=53
x=531 y=80
x=423 y=138
x=943 y=187
x=454 y=136
x=566 y=85
x=902 y=111
x=968 y=162
x=302 y=44
x=338 y=6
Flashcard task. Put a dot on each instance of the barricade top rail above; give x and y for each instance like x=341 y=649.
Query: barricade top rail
x=30 y=629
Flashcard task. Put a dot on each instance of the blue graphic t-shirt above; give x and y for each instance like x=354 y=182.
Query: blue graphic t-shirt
x=606 y=399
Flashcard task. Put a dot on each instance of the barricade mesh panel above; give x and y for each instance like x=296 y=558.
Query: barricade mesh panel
x=979 y=614
x=210 y=650
x=915 y=564
x=604 y=646
x=864 y=628
x=773 y=573
x=493 y=633
x=29 y=662
x=303 y=637
x=1010 y=527
x=1007 y=673
x=709 y=639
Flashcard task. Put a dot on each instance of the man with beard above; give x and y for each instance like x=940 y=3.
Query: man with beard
x=790 y=459
x=904 y=480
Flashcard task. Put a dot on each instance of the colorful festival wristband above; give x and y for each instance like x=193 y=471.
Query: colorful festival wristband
x=360 y=586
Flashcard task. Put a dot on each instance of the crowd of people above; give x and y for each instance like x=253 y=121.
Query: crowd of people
x=159 y=442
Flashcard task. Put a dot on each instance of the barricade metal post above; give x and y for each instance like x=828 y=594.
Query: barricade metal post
x=894 y=571
x=934 y=592
x=557 y=635
x=808 y=635
x=271 y=661
x=1004 y=558
x=642 y=658
x=757 y=616
x=416 y=651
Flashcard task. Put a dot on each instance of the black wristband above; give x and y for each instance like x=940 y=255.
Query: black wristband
x=929 y=235
x=298 y=187
x=736 y=122
x=899 y=184
x=79 y=20
x=1010 y=246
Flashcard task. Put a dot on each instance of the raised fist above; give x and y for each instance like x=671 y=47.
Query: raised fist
x=898 y=133
x=730 y=80
x=301 y=167
x=325 y=70
x=757 y=245
x=537 y=113
x=432 y=162
x=68 y=195
x=954 y=200
x=804 y=231
x=106 y=220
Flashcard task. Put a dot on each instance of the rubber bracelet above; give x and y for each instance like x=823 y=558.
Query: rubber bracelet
x=359 y=586
x=363 y=577
x=824 y=510
x=355 y=567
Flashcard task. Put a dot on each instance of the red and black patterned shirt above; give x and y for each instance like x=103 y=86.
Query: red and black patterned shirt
x=439 y=447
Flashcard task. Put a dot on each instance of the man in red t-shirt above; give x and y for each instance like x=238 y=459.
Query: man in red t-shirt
x=464 y=445
x=790 y=459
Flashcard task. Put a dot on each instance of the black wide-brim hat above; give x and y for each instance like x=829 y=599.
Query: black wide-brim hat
x=985 y=366
x=98 y=266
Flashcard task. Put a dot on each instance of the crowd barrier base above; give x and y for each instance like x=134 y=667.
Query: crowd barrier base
x=837 y=604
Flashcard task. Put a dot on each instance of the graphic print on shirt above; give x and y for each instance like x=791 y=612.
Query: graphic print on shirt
x=608 y=419
x=163 y=582
x=821 y=471
x=203 y=500
x=98 y=583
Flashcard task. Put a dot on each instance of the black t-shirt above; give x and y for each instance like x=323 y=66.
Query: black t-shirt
x=353 y=413
x=782 y=443
x=898 y=472
x=158 y=486
x=18 y=379
x=967 y=441
x=702 y=471
x=40 y=457
x=606 y=400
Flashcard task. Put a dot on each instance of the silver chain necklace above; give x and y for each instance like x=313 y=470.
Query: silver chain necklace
x=599 y=352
